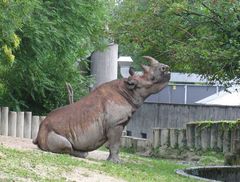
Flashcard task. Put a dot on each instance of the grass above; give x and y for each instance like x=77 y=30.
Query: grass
x=211 y=158
x=18 y=165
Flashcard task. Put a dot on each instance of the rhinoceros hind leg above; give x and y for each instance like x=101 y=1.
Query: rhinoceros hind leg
x=58 y=144
x=114 y=137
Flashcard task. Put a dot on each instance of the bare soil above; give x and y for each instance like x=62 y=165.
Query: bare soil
x=78 y=174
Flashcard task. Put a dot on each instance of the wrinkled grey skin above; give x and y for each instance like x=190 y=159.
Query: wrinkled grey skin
x=102 y=115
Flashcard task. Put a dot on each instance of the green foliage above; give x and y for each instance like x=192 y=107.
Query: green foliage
x=210 y=158
x=191 y=36
x=12 y=17
x=224 y=124
x=55 y=34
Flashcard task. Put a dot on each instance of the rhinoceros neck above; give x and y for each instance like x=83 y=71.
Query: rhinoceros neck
x=132 y=97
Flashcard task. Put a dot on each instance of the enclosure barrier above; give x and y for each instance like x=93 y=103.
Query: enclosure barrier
x=165 y=137
x=19 y=124
x=137 y=144
x=159 y=115
x=220 y=136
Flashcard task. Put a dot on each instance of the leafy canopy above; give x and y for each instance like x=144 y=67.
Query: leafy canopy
x=51 y=35
x=191 y=36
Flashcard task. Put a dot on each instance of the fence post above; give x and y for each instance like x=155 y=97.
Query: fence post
x=205 y=137
x=27 y=124
x=41 y=118
x=156 y=138
x=214 y=136
x=220 y=138
x=12 y=125
x=20 y=124
x=198 y=137
x=4 y=123
x=164 y=137
x=35 y=126
x=226 y=140
x=173 y=134
x=182 y=138
x=190 y=134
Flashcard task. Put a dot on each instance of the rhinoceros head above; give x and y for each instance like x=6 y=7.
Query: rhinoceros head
x=154 y=78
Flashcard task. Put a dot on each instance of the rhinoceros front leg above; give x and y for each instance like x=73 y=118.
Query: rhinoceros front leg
x=114 y=136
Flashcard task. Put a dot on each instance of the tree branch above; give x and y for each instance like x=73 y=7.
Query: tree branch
x=70 y=92
x=211 y=10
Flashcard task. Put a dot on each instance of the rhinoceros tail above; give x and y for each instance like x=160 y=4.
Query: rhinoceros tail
x=41 y=139
x=35 y=141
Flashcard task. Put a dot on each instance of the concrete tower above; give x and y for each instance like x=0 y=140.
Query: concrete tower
x=104 y=64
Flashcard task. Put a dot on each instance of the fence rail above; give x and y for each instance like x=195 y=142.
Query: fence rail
x=19 y=124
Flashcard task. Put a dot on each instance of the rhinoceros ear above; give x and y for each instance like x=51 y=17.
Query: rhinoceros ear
x=131 y=71
x=131 y=83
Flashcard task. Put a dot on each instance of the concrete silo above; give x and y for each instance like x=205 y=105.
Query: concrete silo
x=104 y=64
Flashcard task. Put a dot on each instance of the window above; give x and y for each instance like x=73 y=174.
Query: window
x=129 y=133
x=144 y=135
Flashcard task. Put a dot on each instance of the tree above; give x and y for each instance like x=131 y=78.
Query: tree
x=12 y=17
x=191 y=36
x=52 y=39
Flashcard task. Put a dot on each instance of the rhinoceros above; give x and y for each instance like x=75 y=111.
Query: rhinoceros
x=101 y=116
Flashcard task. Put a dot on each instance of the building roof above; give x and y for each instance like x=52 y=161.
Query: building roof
x=187 y=78
x=124 y=63
x=175 y=77
x=232 y=97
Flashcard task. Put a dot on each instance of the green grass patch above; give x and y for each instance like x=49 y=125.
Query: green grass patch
x=42 y=166
x=211 y=158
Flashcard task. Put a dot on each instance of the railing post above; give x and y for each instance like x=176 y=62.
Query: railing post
x=164 y=137
x=182 y=141
x=190 y=135
x=214 y=136
x=41 y=118
x=20 y=124
x=4 y=122
x=156 y=138
x=35 y=126
x=12 y=125
x=27 y=124
x=173 y=134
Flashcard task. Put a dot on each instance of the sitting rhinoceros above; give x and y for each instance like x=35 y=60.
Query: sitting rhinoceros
x=102 y=115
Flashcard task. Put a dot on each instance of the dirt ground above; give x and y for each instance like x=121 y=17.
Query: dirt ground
x=79 y=174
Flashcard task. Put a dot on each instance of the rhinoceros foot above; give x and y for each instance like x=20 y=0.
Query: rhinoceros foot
x=80 y=154
x=114 y=159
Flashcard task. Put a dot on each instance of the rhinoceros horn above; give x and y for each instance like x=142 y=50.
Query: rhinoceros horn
x=145 y=68
x=151 y=60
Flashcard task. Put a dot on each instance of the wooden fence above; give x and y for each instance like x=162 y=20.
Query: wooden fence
x=195 y=135
x=220 y=136
x=152 y=115
x=19 y=124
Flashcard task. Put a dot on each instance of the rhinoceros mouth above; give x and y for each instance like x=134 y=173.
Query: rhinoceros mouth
x=167 y=73
x=166 y=76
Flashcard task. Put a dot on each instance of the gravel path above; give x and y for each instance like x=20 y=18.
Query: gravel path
x=79 y=174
